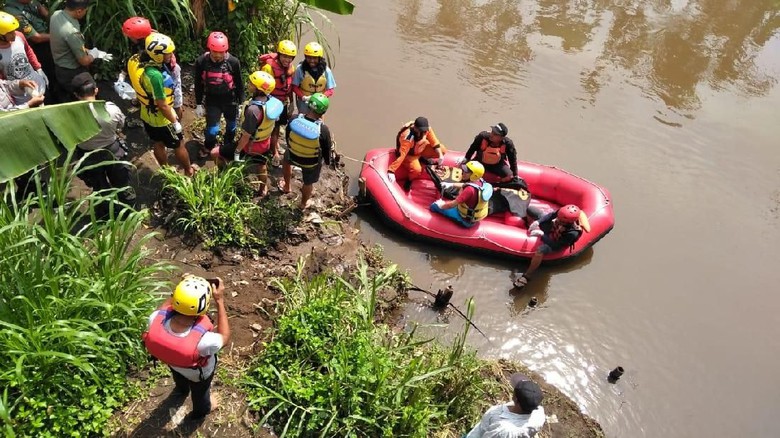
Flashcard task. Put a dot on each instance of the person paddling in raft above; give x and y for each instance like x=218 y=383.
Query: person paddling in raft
x=471 y=205
x=558 y=230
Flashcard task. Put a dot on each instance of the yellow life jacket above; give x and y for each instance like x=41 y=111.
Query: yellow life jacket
x=305 y=142
x=480 y=211
x=309 y=86
x=272 y=109
x=135 y=71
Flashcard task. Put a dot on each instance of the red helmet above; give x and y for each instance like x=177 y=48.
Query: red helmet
x=217 y=42
x=569 y=213
x=137 y=28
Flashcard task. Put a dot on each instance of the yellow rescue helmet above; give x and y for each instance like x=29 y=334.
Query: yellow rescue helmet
x=313 y=49
x=476 y=168
x=192 y=296
x=287 y=47
x=8 y=23
x=263 y=81
x=158 y=45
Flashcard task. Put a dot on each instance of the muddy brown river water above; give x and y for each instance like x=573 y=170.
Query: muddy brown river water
x=673 y=106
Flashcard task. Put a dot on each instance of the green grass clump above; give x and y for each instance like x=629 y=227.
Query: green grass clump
x=217 y=207
x=330 y=370
x=74 y=296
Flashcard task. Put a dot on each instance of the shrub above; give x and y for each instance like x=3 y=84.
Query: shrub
x=216 y=206
x=330 y=370
x=74 y=295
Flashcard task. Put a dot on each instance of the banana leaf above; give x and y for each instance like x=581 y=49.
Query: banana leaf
x=341 y=7
x=33 y=137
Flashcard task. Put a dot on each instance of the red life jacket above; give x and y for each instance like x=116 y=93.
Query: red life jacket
x=283 y=77
x=176 y=351
x=218 y=77
x=492 y=154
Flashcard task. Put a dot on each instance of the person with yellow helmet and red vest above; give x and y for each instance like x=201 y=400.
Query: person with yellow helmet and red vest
x=181 y=335
x=279 y=65
x=218 y=90
x=154 y=86
x=471 y=205
x=557 y=230
x=260 y=116
x=415 y=142
x=496 y=152
x=309 y=143
x=312 y=76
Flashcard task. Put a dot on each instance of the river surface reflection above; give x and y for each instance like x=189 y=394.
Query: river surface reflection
x=672 y=105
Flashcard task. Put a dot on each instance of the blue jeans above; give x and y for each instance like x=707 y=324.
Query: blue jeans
x=453 y=214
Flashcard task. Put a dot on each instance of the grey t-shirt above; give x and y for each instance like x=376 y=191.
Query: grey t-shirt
x=108 y=129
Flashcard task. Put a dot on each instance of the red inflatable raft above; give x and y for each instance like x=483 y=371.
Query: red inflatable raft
x=550 y=188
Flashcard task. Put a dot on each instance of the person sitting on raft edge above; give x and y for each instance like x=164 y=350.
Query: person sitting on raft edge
x=414 y=143
x=471 y=205
x=496 y=152
x=558 y=230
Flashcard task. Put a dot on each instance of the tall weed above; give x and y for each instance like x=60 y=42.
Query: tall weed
x=330 y=370
x=216 y=206
x=74 y=292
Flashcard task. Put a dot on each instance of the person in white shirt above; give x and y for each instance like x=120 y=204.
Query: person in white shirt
x=522 y=418
x=182 y=336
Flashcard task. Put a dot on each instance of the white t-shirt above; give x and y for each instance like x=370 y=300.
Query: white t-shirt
x=209 y=345
x=500 y=422
x=14 y=64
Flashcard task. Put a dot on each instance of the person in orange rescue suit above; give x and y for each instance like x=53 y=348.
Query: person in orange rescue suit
x=279 y=65
x=558 y=230
x=182 y=336
x=473 y=201
x=496 y=152
x=312 y=76
x=415 y=142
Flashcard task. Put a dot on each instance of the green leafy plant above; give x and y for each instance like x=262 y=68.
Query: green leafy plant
x=330 y=370
x=74 y=292
x=217 y=207
x=39 y=133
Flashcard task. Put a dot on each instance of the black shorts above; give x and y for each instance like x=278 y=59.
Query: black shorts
x=165 y=135
x=310 y=174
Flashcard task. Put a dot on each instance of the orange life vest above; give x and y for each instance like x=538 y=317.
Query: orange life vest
x=176 y=351
x=492 y=154
x=418 y=145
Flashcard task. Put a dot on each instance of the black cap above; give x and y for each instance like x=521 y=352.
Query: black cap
x=421 y=123
x=527 y=393
x=500 y=129
x=82 y=79
x=76 y=4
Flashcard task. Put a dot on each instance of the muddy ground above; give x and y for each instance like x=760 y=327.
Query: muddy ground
x=324 y=239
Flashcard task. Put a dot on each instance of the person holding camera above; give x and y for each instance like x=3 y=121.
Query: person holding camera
x=182 y=336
